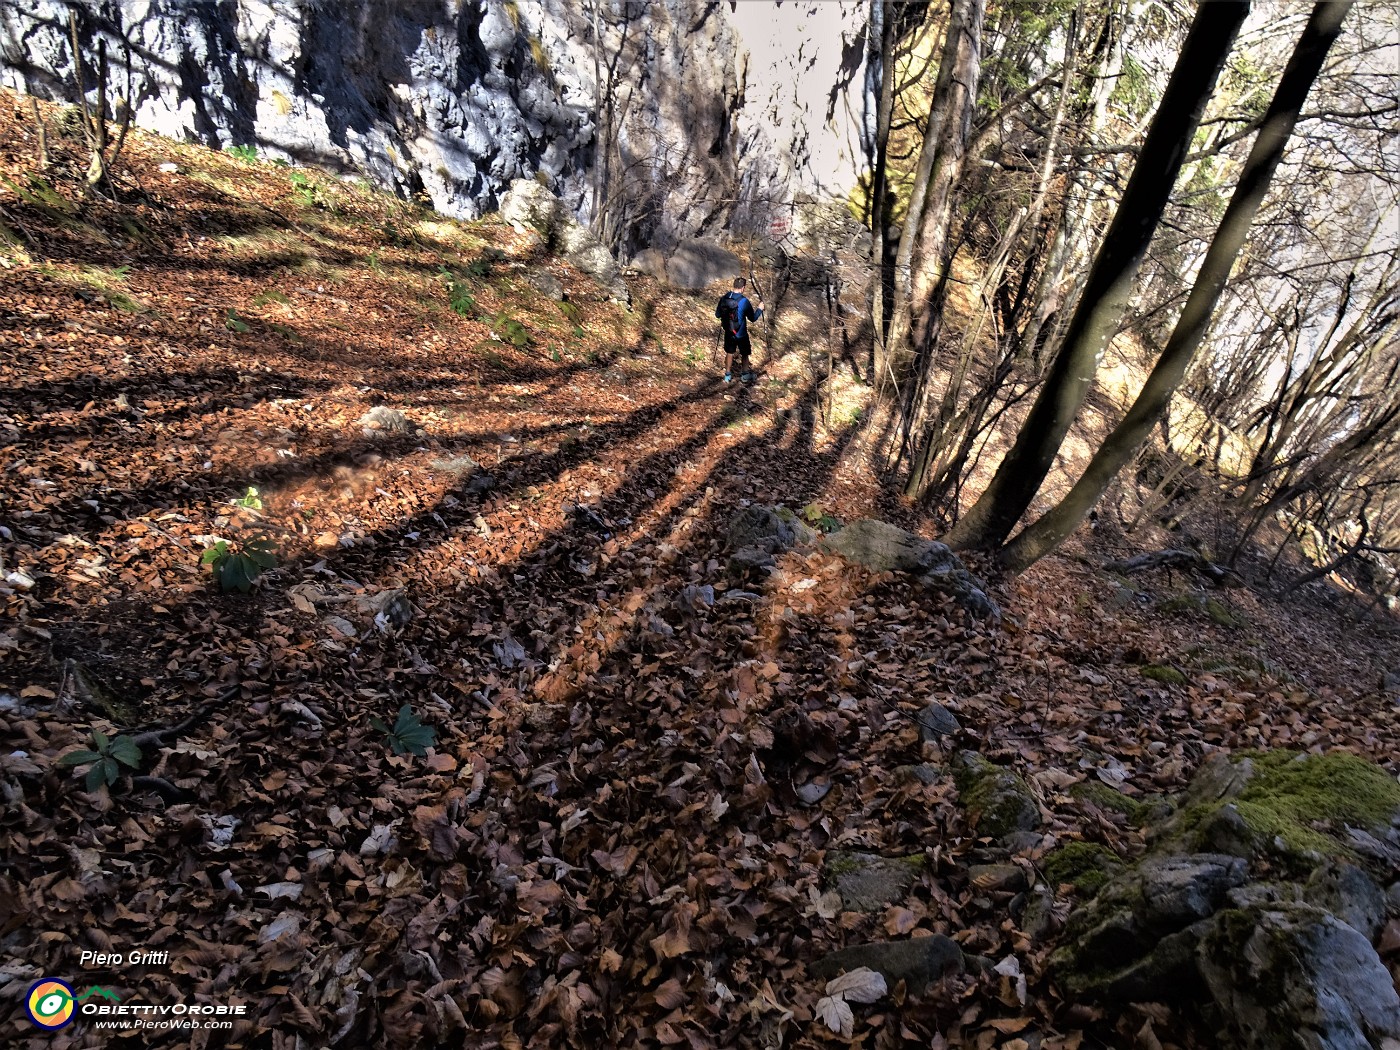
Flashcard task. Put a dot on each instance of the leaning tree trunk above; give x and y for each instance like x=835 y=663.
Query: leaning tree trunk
x=1023 y=469
x=964 y=22
x=1050 y=530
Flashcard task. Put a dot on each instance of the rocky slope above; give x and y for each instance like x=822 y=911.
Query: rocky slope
x=680 y=117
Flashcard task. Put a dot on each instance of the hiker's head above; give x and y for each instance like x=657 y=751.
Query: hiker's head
x=739 y=283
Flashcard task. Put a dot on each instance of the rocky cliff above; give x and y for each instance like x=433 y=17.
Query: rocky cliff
x=652 y=121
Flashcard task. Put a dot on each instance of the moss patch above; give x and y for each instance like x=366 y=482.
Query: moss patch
x=1106 y=798
x=1084 y=865
x=1162 y=673
x=1299 y=804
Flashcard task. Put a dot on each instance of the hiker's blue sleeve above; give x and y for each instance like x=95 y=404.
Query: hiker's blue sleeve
x=755 y=312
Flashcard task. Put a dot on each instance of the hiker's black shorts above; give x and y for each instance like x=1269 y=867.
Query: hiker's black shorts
x=738 y=344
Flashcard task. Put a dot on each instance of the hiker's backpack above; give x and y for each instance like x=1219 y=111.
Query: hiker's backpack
x=732 y=313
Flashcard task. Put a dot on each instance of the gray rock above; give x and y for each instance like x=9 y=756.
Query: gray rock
x=480 y=482
x=882 y=547
x=750 y=563
x=462 y=466
x=389 y=420
x=651 y=262
x=869 y=882
x=455 y=102
x=1141 y=931
x=1292 y=977
x=1392 y=899
x=936 y=722
x=695 y=265
x=919 y=962
x=1035 y=915
x=767 y=529
x=1023 y=842
x=546 y=283
x=997 y=878
x=1348 y=893
x=925 y=773
x=997 y=800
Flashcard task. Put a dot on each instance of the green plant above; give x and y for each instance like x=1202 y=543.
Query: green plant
x=409 y=736
x=247 y=154
x=305 y=189
x=458 y=294
x=694 y=355
x=238 y=565
x=570 y=311
x=480 y=267
x=554 y=354
x=512 y=331
x=820 y=519
x=250 y=500
x=271 y=295
x=107 y=757
x=234 y=323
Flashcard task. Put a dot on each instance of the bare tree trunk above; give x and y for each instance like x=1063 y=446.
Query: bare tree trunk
x=959 y=48
x=1019 y=477
x=1050 y=530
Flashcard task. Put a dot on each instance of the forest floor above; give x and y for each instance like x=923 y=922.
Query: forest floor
x=605 y=843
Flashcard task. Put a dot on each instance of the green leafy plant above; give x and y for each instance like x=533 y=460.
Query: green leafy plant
x=107 y=757
x=409 y=736
x=458 y=294
x=234 y=323
x=820 y=519
x=237 y=566
x=308 y=192
x=271 y=295
x=250 y=500
x=247 y=154
x=480 y=267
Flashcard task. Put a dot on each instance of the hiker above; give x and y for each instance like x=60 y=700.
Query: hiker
x=735 y=311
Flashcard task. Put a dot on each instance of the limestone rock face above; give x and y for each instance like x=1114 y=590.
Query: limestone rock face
x=732 y=110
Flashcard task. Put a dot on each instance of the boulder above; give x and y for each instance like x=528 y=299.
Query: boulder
x=882 y=547
x=1285 y=962
x=1298 y=809
x=770 y=529
x=1293 y=977
x=1142 y=929
x=388 y=420
x=919 y=962
x=695 y=265
x=546 y=283
x=998 y=801
x=530 y=206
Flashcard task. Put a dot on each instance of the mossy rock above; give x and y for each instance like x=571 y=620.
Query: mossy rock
x=998 y=800
x=869 y=882
x=1299 y=807
x=1084 y=865
x=1164 y=674
x=1196 y=604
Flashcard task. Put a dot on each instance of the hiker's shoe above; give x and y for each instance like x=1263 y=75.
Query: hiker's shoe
x=728 y=378
x=747 y=377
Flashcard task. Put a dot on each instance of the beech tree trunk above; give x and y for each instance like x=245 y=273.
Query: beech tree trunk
x=990 y=520
x=1050 y=530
